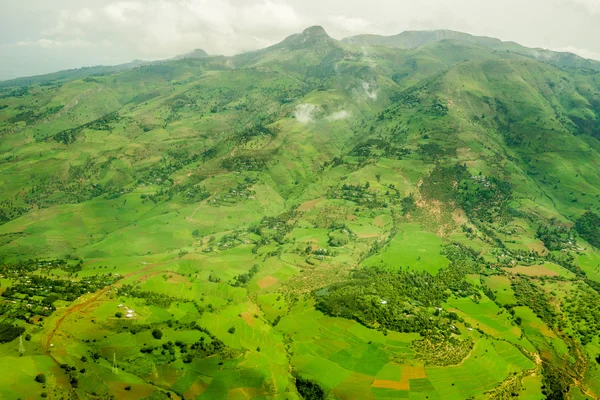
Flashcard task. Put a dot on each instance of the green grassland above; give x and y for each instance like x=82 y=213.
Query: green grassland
x=319 y=219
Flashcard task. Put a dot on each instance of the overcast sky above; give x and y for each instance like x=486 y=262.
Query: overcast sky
x=39 y=36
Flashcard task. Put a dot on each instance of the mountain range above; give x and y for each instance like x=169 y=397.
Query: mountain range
x=411 y=216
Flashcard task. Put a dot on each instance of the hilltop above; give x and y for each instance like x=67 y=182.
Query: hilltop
x=414 y=216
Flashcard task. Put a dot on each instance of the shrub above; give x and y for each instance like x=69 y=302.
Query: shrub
x=157 y=334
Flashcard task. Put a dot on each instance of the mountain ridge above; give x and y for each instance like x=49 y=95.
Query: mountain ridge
x=317 y=35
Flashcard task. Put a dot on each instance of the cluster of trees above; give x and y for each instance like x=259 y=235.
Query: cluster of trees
x=528 y=293
x=151 y=298
x=381 y=146
x=555 y=236
x=20 y=268
x=484 y=199
x=167 y=351
x=256 y=130
x=588 y=227
x=404 y=301
x=583 y=310
x=275 y=228
x=243 y=279
x=31 y=114
x=104 y=123
x=9 y=332
x=189 y=193
x=450 y=351
x=235 y=195
x=160 y=173
x=246 y=162
x=28 y=290
x=309 y=389
x=363 y=195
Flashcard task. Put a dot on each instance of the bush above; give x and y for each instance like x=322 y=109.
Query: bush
x=40 y=378
x=119 y=314
x=157 y=334
x=231 y=330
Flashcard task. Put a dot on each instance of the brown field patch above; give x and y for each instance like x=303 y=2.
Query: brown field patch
x=356 y=386
x=246 y=316
x=196 y=389
x=397 y=385
x=459 y=217
x=351 y=217
x=177 y=279
x=245 y=393
x=367 y=235
x=543 y=328
x=412 y=372
x=408 y=372
x=534 y=270
x=267 y=281
x=137 y=391
x=476 y=323
x=378 y=221
x=537 y=246
x=309 y=205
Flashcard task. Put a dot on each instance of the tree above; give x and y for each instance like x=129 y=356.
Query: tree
x=309 y=390
x=119 y=314
x=231 y=330
x=40 y=378
x=408 y=204
x=157 y=334
x=74 y=382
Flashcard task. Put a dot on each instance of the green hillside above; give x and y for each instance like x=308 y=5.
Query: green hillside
x=414 y=217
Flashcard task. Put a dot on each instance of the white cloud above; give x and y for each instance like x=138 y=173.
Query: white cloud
x=585 y=53
x=351 y=25
x=50 y=43
x=124 y=11
x=338 y=115
x=304 y=113
x=163 y=28
x=371 y=93
x=590 y=6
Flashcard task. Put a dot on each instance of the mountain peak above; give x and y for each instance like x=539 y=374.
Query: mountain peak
x=196 y=53
x=310 y=37
x=315 y=31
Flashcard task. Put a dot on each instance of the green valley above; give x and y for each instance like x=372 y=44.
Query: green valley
x=404 y=217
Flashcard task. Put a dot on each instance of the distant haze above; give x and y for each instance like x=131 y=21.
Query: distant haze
x=40 y=36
